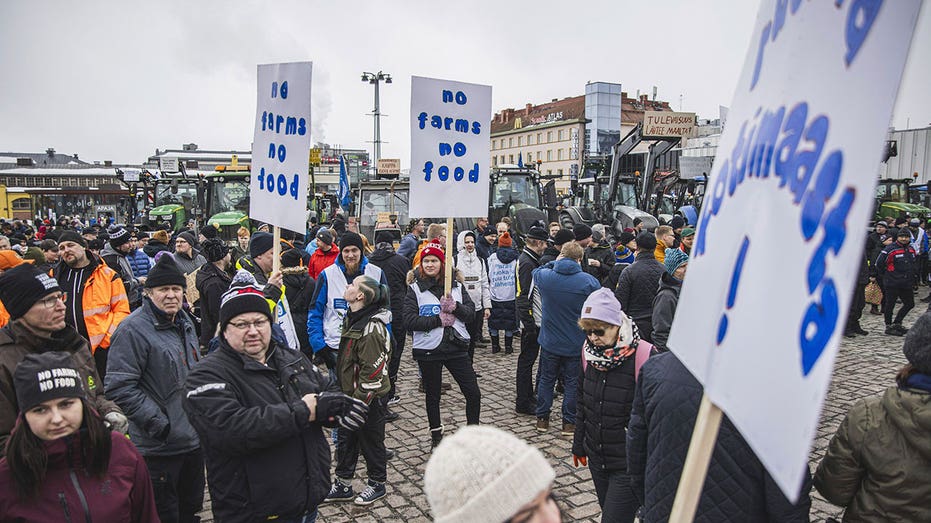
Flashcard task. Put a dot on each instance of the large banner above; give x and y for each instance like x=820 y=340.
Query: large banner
x=781 y=232
x=450 y=128
x=281 y=145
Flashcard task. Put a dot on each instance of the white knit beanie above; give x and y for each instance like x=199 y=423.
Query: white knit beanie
x=483 y=474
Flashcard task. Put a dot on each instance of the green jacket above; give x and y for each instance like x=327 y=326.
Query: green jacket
x=364 y=351
x=878 y=465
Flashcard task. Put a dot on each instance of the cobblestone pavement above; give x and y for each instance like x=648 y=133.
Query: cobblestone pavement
x=865 y=366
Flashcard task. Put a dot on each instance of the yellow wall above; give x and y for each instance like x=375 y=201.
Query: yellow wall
x=6 y=202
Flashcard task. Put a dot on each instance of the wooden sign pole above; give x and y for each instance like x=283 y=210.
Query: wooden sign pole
x=448 y=285
x=696 y=462
x=276 y=250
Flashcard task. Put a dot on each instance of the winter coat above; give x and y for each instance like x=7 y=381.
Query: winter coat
x=605 y=255
x=120 y=263
x=503 y=312
x=664 y=309
x=737 y=487
x=17 y=341
x=316 y=325
x=637 y=287
x=264 y=457
x=139 y=262
x=408 y=246
x=549 y=254
x=149 y=360
x=615 y=275
x=104 y=303
x=526 y=263
x=364 y=351
x=69 y=493
x=211 y=283
x=475 y=276
x=563 y=289
x=320 y=260
x=660 y=252
x=299 y=289
x=413 y=321
x=874 y=246
x=483 y=248
x=189 y=264
x=878 y=465
x=395 y=268
x=897 y=266
x=604 y=402
x=154 y=247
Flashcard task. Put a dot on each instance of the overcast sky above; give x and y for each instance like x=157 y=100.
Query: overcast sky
x=116 y=80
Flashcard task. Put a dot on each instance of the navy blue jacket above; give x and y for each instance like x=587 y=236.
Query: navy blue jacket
x=563 y=289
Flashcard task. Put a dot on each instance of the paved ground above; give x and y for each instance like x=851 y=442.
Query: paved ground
x=865 y=366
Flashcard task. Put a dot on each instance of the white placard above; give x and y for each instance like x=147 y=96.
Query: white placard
x=781 y=229
x=450 y=126
x=281 y=146
x=168 y=164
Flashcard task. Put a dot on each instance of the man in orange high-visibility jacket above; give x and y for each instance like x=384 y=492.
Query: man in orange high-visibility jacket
x=96 y=301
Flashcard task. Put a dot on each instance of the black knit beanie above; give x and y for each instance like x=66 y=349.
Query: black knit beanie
x=118 y=236
x=23 y=286
x=581 y=231
x=350 y=239
x=214 y=249
x=209 y=231
x=46 y=376
x=165 y=272
x=260 y=243
x=72 y=236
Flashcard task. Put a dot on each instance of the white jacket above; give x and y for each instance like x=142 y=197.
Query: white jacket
x=475 y=274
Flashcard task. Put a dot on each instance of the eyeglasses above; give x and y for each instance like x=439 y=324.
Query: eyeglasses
x=50 y=302
x=244 y=325
x=596 y=332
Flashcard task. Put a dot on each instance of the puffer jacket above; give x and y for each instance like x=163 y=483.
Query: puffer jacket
x=737 y=487
x=636 y=289
x=603 y=412
x=139 y=262
x=364 y=351
x=150 y=358
x=265 y=458
x=878 y=465
x=664 y=309
x=69 y=493
x=415 y=322
x=16 y=341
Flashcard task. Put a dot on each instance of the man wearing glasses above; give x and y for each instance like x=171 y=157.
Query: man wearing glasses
x=152 y=353
x=36 y=306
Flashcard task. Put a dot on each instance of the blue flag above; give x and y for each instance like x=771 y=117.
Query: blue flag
x=344 y=194
x=520 y=160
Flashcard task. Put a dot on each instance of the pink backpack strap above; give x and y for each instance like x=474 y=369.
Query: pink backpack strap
x=644 y=349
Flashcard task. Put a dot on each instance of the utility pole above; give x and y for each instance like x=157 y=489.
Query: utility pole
x=375 y=79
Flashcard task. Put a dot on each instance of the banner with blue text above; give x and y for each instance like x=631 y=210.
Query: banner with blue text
x=781 y=232
x=281 y=145
x=450 y=129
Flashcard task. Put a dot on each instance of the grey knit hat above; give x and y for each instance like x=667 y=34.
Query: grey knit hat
x=481 y=473
x=917 y=347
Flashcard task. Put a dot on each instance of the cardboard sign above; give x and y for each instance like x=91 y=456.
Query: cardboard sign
x=281 y=146
x=780 y=234
x=389 y=166
x=450 y=126
x=666 y=124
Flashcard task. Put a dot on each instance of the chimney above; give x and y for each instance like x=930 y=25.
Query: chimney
x=50 y=152
x=644 y=98
x=527 y=109
x=108 y=163
x=623 y=94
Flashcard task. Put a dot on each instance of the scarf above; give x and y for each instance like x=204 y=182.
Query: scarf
x=919 y=381
x=608 y=357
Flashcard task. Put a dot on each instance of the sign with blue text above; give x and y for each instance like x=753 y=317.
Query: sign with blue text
x=281 y=146
x=450 y=127
x=781 y=231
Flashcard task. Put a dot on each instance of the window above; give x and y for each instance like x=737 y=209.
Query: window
x=494 y=160
x=549 y=155
x=502 y=159
x=519 y=140
x=559 y=172
x=529 y=157
x=510 y=158
x=562 y=135
x=559 y=154
x=539 y=138
x=529 y=139
x=22 y=204
x=549 y=171
x=549 y=136
x=511 y=142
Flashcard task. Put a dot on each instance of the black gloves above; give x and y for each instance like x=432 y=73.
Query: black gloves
x=336 y=408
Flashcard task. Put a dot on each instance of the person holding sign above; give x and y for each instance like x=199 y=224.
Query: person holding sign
x=440 y=336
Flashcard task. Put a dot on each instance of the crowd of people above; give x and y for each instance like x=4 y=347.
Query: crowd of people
x=206 y=356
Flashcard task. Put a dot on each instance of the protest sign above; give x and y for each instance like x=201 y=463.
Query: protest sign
x=281 y=146
x=780 y=235
x=450 y=126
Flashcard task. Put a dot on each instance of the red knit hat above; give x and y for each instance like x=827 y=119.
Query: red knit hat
x=505 y=240
x=433 y=249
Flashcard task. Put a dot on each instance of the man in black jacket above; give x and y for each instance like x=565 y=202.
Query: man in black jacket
x=395 y=268
x=896 y=268
x=212 y=281
x=638 y=285
x=529 y=259
x=737 y=487
x=258 y=408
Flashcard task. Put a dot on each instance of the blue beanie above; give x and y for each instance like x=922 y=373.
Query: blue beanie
x=675 y=258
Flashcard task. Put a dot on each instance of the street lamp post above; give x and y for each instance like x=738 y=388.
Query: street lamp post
x=375 y=79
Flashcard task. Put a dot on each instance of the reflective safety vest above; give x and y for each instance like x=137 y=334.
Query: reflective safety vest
x=336 y=306
x=429 y=305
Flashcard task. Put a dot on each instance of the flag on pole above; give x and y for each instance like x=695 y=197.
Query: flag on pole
x=520 y=160
x=344 y=194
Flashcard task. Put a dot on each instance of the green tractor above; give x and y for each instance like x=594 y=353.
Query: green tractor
x=892 y=199
x=228 y=202
x=177 y=199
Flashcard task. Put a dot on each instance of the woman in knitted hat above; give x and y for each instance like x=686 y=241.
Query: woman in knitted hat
x=667 y=297
x=437 y=323
x=607 y=395
x=62 y=463
x=878 y=465
x=482 y=474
